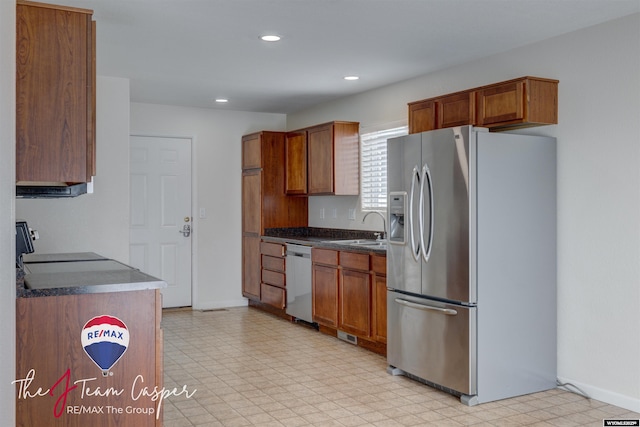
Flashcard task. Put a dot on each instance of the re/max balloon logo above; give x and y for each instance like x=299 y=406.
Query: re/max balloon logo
x=105 y=339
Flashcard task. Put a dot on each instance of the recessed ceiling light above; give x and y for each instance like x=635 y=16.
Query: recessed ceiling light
x=270 y=38
x=221 y=100
x=351 y=77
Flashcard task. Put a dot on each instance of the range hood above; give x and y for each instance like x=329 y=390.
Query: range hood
x=50 y=190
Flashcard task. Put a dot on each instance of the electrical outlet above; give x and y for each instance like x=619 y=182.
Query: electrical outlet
x=334 y=213
x=321 y=213
x=352 y=214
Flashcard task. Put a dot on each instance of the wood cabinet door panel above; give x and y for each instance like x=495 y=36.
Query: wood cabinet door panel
x=355 y=302
x=422 y=116
x=50 y=344
x=501 y=103
x=251 y=269
x=325 y=295
x=252 y=202
x=456 y=110
x=379 y=308
x=296 y=163
x=54 y=95
x=251 y=151
x=320 y=160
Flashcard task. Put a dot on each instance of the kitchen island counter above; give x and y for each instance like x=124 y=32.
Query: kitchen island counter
x=88 y=349
x=78 y=273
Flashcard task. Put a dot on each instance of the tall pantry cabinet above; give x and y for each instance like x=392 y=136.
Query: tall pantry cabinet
x=264 y=202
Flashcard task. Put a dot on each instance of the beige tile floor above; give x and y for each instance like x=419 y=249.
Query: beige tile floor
x=249 y=368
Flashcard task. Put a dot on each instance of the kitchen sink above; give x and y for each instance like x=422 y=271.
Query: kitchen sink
x=350 y=241
x=362 y=243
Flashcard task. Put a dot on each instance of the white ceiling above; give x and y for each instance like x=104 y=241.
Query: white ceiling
x=188 y=52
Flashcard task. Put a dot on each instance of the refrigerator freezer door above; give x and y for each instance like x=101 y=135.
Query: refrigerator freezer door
x=433 y=341
x=403 y=178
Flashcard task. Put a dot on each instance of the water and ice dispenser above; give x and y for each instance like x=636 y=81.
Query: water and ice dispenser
x=397 y=209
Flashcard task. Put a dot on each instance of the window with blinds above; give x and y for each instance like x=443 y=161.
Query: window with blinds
x=373 y=167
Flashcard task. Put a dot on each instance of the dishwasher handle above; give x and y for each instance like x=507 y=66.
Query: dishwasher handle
x=298 y=254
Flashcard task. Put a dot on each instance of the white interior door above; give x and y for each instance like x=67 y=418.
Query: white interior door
x=160 y=219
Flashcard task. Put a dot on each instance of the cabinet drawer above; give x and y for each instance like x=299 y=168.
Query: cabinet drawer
x=355 y=261
x=272 y=295
x=379 y=264
x=324 y=256
x=273 y=278
x=273 y=263
x=273 y=249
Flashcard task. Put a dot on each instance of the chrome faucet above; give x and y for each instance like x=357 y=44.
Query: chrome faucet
x=384 y=223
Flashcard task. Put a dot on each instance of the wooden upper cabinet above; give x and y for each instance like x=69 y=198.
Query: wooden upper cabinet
x=251 y=151
x=456 y=110
x=333 y=159
x=524 y=102
x=55 y=93
x=296 y=162
x=422 y=116
x=323 y=160
x=320 y=157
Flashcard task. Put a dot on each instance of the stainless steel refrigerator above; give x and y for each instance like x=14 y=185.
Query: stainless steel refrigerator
x=471 y=262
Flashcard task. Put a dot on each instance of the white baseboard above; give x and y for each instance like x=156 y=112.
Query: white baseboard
x=607 y=396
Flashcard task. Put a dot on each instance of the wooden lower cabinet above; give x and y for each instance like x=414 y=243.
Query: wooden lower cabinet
x=273 y=290
x=273 y=295
x=51 y=356
x=355 y=302
x=349 y=295
x=325 y=295
x=379 y=298
x=251 y=270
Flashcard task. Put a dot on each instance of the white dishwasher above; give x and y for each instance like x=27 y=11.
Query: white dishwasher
x=298 y=275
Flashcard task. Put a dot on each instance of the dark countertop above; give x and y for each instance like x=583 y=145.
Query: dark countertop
x=322 y=237
x=79 y=273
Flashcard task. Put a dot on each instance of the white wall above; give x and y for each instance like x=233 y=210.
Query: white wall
x=598 y=188
x=97 y=222
x=216 y=166
x=7 y=224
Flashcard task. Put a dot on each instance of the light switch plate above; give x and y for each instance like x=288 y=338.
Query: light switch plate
x=352 y=214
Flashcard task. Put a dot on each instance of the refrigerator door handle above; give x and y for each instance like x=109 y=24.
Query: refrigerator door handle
x=426 y=176
x=415 y=249
x=447 y=311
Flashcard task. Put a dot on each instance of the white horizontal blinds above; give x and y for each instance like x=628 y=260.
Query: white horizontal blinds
x=373 y=166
